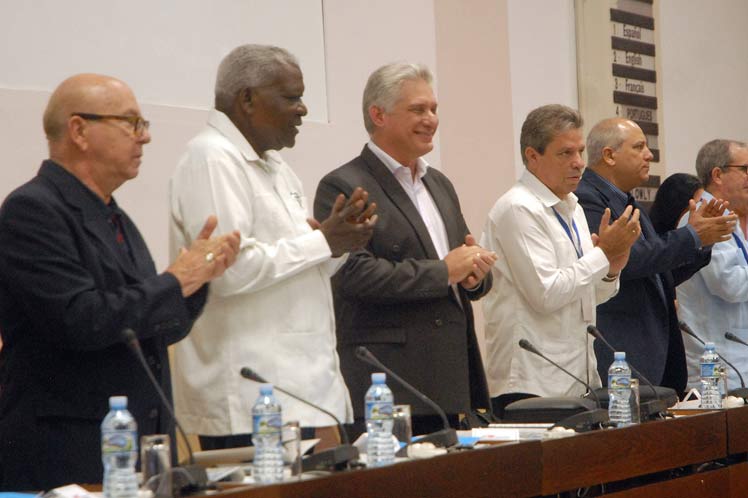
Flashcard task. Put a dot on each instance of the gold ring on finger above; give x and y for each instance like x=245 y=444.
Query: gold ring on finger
x=210 y=257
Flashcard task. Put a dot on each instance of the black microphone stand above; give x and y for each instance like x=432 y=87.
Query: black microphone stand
x=337 y=458
x=580 y=421
x=653 y=408
x=444 y=438
x=187 y=479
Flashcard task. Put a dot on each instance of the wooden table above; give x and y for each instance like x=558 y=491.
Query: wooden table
x=655 y=459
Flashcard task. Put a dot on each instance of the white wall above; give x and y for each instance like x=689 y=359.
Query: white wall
x=703 y=47
x=542 y=50
x=348 y=39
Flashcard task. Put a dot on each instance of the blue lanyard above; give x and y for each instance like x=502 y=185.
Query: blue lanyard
x=578 y=245
x=741 y=246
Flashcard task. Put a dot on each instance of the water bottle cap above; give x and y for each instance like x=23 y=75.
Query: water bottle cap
x=709 y=345
x=117 y=402
x=266 y=389
x=378 y=377
x=619 y=355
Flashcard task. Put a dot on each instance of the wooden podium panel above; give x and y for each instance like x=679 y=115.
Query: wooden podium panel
x=714 y=484
x=617 y=454
x=504 y=470
x=737 y=430
x=738 y=480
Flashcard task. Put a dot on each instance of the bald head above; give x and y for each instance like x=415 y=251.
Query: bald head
x=93 y=93
x=617 y=150
x=607 y=133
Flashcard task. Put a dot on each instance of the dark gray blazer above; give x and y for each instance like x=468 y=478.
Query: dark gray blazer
x=393 y=296
x=641 y=319
x=67 y=289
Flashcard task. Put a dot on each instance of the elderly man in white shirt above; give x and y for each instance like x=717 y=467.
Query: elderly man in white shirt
x=274 y=311
x=550 y=273
x=715 y=300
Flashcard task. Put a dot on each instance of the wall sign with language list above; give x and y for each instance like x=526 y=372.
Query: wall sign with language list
x=617 y=65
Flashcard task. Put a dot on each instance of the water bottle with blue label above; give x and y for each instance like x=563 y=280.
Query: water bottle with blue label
x=619 y=391
x=380 y=449
x=267 y=425
x=711 y=374
x=119 y=450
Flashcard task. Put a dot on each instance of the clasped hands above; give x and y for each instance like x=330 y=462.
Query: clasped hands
x=350 y=224
x=469 y=264
x=615 y=239
x=206 y=258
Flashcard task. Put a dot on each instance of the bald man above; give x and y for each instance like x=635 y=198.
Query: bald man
x=75 y=272
x=641 y=318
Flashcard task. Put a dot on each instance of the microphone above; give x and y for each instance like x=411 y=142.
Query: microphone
x=197 y=478
x=732 y=337
x=580 y=421
x=527 y=346
x=742 y=392
x=647 y=408
x=446 y=437
x=334 y=458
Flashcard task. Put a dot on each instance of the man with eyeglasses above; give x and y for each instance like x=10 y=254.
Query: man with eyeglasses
x=641 y=319
x=715 y=300
x=75 y=272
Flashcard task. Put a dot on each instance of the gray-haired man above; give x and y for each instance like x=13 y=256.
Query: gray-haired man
x=406 y=295
x=274 y=311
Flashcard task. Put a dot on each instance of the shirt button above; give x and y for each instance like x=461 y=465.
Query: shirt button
x=153 y=413
x=438 y=322
x=396 y=248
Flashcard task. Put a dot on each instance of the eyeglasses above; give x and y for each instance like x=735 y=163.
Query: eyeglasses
x=139 y=125
x=743 y=168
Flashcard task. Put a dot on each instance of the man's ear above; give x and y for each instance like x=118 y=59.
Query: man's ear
x=376 y=114
x=76 y=128
x=531 y=154
x=244 y=99
x=716 y=175
x=608 y=156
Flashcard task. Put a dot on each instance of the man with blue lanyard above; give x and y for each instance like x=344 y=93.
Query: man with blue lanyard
x=550 y=272
x=715 y=300
x=641 y=319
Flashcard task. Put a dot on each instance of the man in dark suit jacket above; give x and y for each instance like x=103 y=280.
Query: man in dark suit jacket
x=641 y=319
x=407 y=295
x=75 y=272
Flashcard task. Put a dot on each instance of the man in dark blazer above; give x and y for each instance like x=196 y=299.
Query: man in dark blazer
x=75 y=272
x=407 y=295
x=641 y=319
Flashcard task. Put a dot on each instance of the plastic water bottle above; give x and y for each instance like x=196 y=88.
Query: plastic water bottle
x=266 y=435
x=619 y=391
x=379 y=408
x=711 y=371
x=119 y=450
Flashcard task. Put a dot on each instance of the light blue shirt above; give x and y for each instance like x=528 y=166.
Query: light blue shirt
x=714 y=301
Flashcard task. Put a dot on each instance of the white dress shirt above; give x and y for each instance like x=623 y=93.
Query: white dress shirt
x=714 y=301
x=272 y=310
x=419 y=195
x=542 y=292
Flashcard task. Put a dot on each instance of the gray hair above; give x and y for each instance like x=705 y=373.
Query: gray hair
x=383 y=87
x=543 y=124
x=248 y=66
x=715 y=154
x=606 y=133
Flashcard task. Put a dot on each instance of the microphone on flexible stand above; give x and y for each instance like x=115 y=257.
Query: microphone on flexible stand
x=195 y=475
x=647 y=408
x=580 y=421
x=741 y=392
x=336 y=458
x=444 y=438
